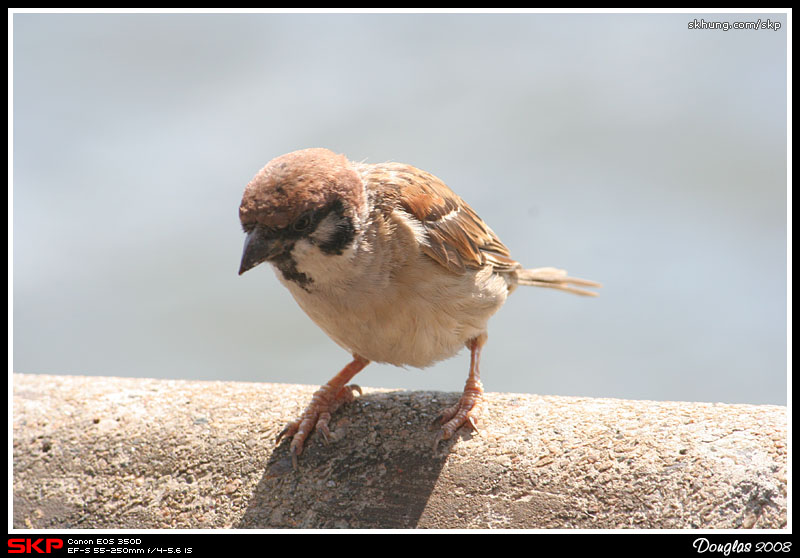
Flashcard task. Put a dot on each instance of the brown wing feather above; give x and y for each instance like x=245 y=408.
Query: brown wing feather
x=457 y=238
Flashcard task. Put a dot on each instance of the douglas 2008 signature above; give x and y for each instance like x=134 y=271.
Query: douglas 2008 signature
x=703 y=545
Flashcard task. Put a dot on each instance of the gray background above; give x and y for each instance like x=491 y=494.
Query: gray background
x=624 y=148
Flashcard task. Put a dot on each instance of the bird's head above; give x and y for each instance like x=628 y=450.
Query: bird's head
x=303 y=205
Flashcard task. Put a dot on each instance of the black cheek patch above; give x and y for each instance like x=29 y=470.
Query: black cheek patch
x=341 y=239
x=343 y=234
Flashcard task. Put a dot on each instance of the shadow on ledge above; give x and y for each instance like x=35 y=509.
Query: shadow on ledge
x=381 y=477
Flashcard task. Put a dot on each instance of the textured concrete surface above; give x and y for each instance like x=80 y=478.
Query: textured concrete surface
x=93 y=452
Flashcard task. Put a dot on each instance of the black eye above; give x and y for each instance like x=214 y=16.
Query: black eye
x=302 y=223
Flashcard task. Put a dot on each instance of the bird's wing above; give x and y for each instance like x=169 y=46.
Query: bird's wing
x=456 y=237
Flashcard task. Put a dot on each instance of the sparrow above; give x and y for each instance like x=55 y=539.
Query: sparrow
x=390 y=263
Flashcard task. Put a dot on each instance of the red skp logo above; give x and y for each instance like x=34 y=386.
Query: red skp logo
x=29 y=546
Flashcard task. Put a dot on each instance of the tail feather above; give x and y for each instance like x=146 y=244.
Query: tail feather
x=555 y=279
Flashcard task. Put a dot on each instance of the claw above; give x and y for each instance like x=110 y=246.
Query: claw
x=322 y=427
x=288 y=431
x=318 y=413
x=468 y=408
x=439 y=438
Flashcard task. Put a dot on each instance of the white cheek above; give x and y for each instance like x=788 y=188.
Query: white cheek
x=304 y=253
x=318 y=265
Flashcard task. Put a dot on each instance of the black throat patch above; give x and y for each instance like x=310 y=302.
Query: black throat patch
x=288 y=268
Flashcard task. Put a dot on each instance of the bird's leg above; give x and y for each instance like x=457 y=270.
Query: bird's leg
x=468 y=408
x=324 y=402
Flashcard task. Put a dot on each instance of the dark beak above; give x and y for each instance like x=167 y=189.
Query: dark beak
x=259 y=248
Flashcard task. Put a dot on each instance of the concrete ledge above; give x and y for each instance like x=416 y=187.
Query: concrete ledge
x=92 y=452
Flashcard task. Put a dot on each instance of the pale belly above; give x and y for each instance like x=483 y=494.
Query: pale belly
x=384 y=322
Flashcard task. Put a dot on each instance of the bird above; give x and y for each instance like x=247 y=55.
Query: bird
x=390 y=263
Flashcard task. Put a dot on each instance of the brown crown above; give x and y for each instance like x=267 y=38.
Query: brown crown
x=293 y=183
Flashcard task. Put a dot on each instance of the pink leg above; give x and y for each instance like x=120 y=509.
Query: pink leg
x=324 y=402
x=468 y=408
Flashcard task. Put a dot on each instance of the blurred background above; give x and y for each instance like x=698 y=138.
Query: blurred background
x=628 y=149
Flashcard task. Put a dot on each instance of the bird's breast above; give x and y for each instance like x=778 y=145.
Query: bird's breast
x=411 y=315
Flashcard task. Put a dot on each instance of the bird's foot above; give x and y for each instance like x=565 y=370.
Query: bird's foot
x=466 y=411
x=317 y=415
